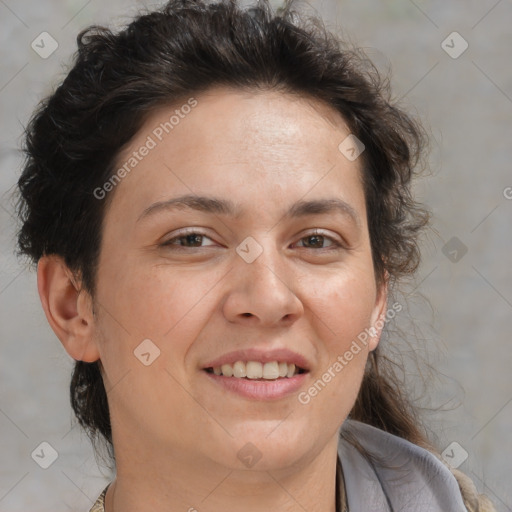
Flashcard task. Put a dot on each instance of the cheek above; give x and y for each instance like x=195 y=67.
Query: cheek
x=137 y=306
x=342 y=307
x=165 y=305
x=151 y=301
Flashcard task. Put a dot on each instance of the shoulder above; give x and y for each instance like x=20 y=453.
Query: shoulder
x=399 y=473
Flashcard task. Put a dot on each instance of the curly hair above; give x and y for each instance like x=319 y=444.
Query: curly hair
x=118 y=79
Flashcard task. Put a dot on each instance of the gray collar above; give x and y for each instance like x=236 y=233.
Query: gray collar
x=416 y=482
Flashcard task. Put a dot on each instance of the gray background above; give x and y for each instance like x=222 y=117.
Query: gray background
x=458 y=309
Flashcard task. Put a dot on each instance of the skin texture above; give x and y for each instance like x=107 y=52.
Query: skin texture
x=176 y=434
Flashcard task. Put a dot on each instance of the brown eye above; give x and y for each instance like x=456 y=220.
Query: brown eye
x=317 y=240
x=192 y=239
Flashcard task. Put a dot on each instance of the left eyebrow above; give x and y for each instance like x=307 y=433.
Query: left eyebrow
x=323 y=206
x=226 y=207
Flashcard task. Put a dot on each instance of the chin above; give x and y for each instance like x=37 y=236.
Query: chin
x=267 y=448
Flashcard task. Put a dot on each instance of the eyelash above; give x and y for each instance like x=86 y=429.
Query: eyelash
x=169 y=243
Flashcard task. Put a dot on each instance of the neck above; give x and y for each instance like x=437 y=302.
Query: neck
x=148 y=481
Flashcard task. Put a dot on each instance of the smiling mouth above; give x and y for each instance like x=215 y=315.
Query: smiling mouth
x=254 y=370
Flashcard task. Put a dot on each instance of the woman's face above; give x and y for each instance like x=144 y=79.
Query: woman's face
x=170 y=304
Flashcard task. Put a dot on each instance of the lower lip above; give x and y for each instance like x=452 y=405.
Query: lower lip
x=260 y=389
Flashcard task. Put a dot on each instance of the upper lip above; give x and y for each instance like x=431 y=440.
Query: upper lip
x=261 y=355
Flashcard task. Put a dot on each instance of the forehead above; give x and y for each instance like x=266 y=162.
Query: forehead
x=255 y=119
x=232 y=142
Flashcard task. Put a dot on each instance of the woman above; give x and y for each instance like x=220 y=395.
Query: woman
x=219 y=204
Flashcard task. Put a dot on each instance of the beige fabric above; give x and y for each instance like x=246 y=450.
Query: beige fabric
x=473 y=501
x=99 y=506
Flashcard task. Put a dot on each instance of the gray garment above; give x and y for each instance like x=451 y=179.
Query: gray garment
x=419 y=482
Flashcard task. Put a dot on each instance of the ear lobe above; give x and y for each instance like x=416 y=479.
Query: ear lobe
x=67 y=308
x=379 y=313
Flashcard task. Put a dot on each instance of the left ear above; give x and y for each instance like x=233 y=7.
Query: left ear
x=379 y=314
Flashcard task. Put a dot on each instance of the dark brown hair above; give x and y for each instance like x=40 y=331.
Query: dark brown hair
x=188 y=46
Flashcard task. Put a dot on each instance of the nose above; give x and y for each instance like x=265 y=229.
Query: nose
x=263 y=292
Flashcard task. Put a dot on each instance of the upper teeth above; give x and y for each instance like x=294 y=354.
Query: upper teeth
x=256 y=370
